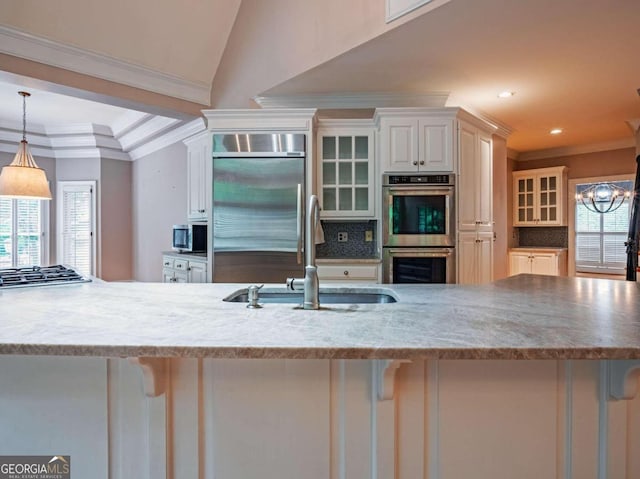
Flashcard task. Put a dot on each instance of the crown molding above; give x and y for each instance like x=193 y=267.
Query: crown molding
x=576 y=150
x=174 y=136
x=152 y=127
x=78 y=129
x=129 y=120
x=241 y=120
x=326 y=123
x=353 y=100
x=501 y=129
x=49 y=52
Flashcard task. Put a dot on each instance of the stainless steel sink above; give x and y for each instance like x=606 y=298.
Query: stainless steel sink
x=327 y=296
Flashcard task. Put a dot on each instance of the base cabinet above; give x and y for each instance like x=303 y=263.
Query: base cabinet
x=319 y=419
x=551 y=262
x=183 y=270
x=475 y=257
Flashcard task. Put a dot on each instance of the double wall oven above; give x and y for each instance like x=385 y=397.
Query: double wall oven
x=418 y=221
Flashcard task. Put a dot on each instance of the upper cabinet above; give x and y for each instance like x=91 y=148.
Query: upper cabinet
x=416 y=139
x=475 y=179
x=539 y=197
x=198 y=164
x=346 y=168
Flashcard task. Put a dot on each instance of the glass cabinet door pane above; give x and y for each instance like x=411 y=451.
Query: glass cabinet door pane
x=362 y=147
x=520 y=186
x=529 y=184
x=543 y=183
x=345 y=202
x=362 y=173
x=362 y=199
x=345 y=173
x=328 y=173
x=329 y=147
x=329 y=199
x=552 y=182
x=345 y=149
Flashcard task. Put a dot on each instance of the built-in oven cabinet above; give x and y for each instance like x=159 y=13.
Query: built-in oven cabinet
x=346 y=169
x=416 y=139
x=199 y=179
x=419 y=265
x=475 y=257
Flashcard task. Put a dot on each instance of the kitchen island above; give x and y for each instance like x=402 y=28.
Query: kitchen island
x=367 y=390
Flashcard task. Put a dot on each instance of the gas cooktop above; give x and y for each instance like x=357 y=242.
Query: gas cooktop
x=39 y=276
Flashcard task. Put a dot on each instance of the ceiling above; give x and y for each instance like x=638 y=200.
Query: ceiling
x=572 y=64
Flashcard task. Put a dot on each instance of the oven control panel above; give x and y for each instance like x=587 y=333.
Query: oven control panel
x=445 y=179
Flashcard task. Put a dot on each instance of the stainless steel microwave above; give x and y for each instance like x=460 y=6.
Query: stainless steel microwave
x=190 y=238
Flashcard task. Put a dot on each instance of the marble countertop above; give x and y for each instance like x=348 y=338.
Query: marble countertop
x=522 y=317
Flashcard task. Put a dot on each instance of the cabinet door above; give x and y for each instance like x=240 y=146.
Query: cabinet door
x=519 y=263
x=543 y=263
x=197 y=272
x=475 y=181
x=167 y=275
x=435 y=145
x=484 y=261
x=548 y=199
x=346 y=173
x=181 y=277
x=524 y=212
x=399 y=144
x=199 y=153
x=466 y=258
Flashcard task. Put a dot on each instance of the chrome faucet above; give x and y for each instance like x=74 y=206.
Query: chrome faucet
x=310 y=283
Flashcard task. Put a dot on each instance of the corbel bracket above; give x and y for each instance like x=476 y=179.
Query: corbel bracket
x=154 y=372
x=623 y=378
x=385 y=373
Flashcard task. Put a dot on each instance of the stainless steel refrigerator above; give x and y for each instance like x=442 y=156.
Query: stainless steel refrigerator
x=258 y=204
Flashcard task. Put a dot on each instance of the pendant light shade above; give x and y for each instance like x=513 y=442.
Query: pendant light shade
x=22 y=178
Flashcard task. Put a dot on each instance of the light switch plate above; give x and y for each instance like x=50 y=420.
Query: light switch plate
x=343 y=237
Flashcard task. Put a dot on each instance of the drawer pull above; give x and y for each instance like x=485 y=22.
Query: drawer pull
x=346 y=273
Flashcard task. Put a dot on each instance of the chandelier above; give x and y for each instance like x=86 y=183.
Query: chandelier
x=603 y=197
x=22 y=178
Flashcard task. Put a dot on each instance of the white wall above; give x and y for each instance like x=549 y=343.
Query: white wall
x=159 y=201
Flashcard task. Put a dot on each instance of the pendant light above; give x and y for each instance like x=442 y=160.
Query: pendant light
x=22 y=178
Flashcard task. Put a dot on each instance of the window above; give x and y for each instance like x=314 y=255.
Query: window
x=76 y=225
x=600 y=237
x=23 y=224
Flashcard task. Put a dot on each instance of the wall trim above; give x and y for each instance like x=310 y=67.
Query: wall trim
x=174 y=136
x=43 y=50
x=347 y=100
x=576 y=150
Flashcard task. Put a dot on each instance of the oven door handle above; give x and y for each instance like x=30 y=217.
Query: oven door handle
x=420 y=252
x=421 y=190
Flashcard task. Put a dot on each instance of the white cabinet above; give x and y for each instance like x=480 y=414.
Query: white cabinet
x=475 y=179
x=346 y=168
x=350 y=272
x=183 y=270
x=416 y=139
x=199 y=176
x=475 y=257
x=474 y=200
x=547 y=261
x=539 y=197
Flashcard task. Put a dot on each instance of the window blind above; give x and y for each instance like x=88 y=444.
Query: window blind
x=21 y=230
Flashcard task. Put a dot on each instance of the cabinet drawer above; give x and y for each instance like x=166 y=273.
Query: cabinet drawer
x=181 y=264
x=167 y=262
x=368 y=272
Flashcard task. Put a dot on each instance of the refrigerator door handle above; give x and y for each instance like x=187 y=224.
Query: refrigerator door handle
x=299 y=223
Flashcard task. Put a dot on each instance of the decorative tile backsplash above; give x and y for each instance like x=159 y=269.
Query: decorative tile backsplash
x=552 y=236
x=355 y=245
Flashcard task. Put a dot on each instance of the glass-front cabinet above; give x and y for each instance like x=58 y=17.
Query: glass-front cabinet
x=539 y=197
x=346 y=168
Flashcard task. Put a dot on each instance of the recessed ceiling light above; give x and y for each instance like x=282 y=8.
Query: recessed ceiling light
x=506 y=94
x=556 y=131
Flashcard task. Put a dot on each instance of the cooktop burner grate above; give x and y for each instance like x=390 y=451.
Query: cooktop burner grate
x=39 y=276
